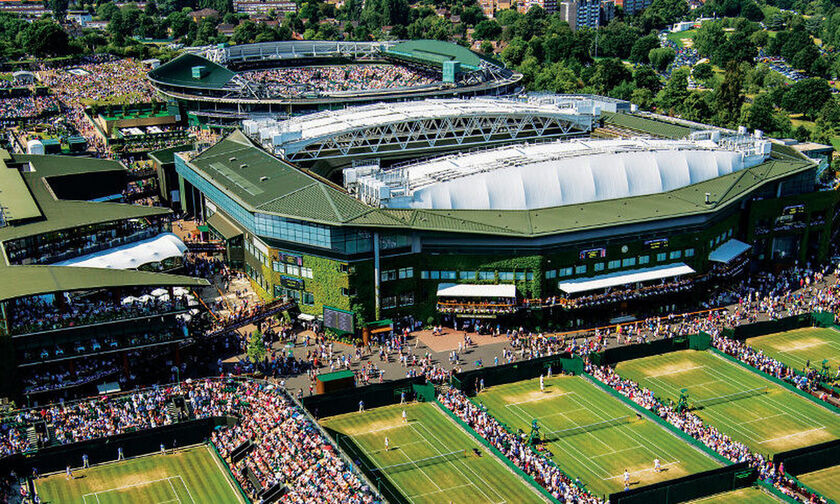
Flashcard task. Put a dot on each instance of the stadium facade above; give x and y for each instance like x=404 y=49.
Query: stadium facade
x=66 y=248
x=211 y=88
x=562 y=230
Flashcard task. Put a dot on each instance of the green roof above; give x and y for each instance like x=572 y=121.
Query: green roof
x=292 y=193
x=336 y=375
x=31 y=280
x=16 y=203
x=56 y=215
x=223 y=226
x=167 y=156
x=646 y=125
x=179 y=72
x=437 y=52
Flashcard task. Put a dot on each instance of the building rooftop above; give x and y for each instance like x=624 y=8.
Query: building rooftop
x=544 y=175
x=45 y=174
x=180 y=72
x=437 y=52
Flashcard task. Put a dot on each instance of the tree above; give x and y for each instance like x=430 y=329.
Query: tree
x=675 y=92
x=487 y=47
x=645 y=77
x=661 y=57
x=828 y=122
x=702 y=72
x=643 y=97
x=256 y=347
x=489 y=29
x=44 y=38
x=642 y=47
x=807 y=96
x=609 y=73
x=760 y=115
x=729 y=96
x=616 y=39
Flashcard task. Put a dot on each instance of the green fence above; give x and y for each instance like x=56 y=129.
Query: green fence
x=361 y=461
x=612 y=356
x=468 y=381
x=424 y=393
x=810 y=458
x=373 y=396
x=230 y=474
x=694 y=486
x=743 y=332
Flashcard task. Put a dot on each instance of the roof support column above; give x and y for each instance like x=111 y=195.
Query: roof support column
x=376 y=275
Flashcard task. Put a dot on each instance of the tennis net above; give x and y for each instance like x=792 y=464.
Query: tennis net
x=582 y=429
x=726 y=398
x=424 y=462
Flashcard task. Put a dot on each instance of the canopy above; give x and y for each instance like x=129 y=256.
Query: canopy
x=730 y=249
x=476 y=290
x=624 y=277
x=223 y=226
x=132 y=255
x=306 y=317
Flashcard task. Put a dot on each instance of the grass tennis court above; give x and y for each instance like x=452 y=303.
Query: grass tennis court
x=761 y=414
x=430 y=458
x=825 y=481
x=189 y=476
x=749 y=495
x=795 y=348
x=592 y=435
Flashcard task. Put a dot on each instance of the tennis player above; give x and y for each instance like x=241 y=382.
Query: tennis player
x=656 y=466
x=626 y=480
x=542 y=383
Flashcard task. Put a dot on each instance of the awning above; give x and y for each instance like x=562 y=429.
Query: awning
x=132 y=255
x=624 y=277
x=223 y=226
x=730 y=249
x=476 y=290
x=306 y=317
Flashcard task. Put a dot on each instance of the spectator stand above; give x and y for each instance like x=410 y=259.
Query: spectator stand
x=809 y=459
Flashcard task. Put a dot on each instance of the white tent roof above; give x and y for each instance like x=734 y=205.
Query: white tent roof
x=132 y=255
x=476 y=290
x=730 y=249
x=624 y=277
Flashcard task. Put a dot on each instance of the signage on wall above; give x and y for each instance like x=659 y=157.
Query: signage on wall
x=339 y=320
x=291 y=283
x=596 y=253
x=657 y=244
x=793 y=210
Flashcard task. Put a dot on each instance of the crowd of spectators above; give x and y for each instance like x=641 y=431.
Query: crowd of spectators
x=336 y=79
x=26 y=107
x=290 y=449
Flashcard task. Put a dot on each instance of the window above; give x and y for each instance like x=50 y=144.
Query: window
x=406 y=273
x=644 y=259
x=729 y=233
x=389 y=301
x=345 y=291
x=661 y=256
x=406 y=299
x=599 y=266
x=551 y=274
x=388 y=275
x=467 y=275
x=675 y=254
x=580 y=270
x=520 y=276
x=506 y=276
x=279 y=267
x=308 y=298
x=306 y=272
x=530 y=276
x=614 y=264
x=424 y=275
x=689 y=252
x=292 y=269
x=486 y=275
x=448 y=275
x=434 y=275
x=629 y=261
x=343 y=268
x=564 y=272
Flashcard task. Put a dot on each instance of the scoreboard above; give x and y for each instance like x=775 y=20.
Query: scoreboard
x=339 y=320
x=595 y=253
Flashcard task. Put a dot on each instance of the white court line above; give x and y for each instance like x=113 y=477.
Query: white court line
x=225 y=473
x=412 y=497
x=678 y=371
x=792 y=435
x=390 y=427
x=644 y=470
x=187 y=489
x=763 y=418
x=130 y=486
x=173 y=490
x=546 y=396
x=614 y=452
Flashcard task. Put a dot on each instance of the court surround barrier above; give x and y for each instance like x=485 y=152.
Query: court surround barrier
x=810 y=458
x=612 y=356
x=373 y=395
x=746 y=331
x=694 y=486
x=517 y=371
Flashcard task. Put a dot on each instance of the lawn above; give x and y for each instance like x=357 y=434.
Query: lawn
x=189 y=476
x=752 y=409
x=796 y=348
x=678 y=37
x=430 y=458
x=749 y=495
x=592 y=435
x=825 y=481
